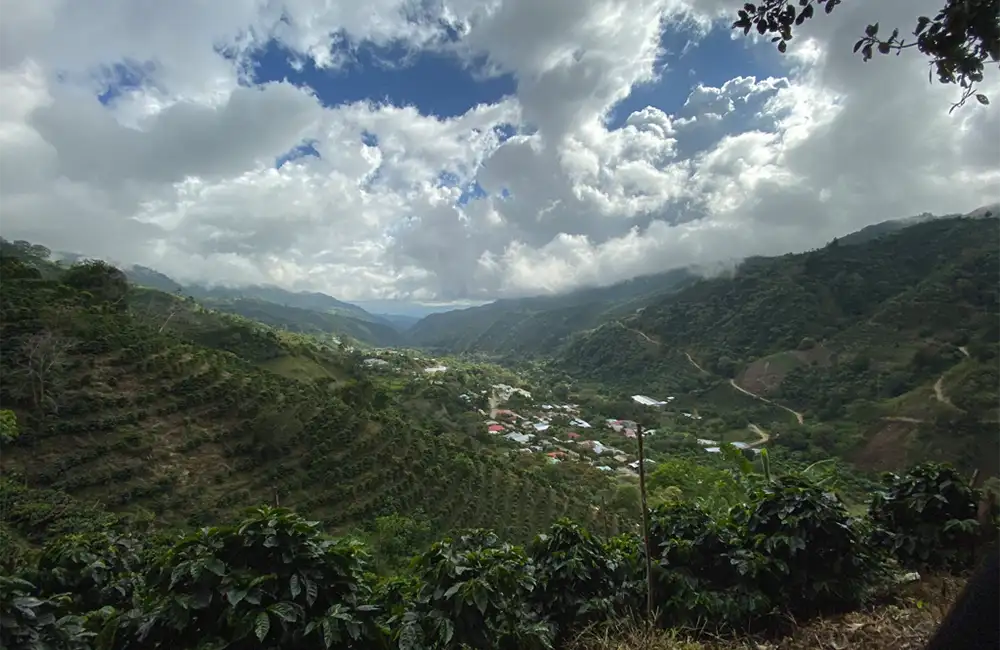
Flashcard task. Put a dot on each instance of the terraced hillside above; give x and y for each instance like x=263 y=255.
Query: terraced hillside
x=148 y=402
x=891 y=341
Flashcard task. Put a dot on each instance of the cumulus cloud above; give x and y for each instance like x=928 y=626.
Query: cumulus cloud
x=177 y=169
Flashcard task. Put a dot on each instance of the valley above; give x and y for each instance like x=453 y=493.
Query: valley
x=132 y=403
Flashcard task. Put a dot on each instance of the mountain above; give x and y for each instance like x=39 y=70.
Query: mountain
x=147 y=277
x=311 y=300
x=402 y=322
x=891 y=341
x=155 y=406
x=308 y=321
x=303 y=312
x=539 y=325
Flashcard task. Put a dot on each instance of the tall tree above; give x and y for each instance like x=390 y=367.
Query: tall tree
x=961 y=40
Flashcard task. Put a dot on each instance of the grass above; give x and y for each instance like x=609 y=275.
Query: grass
x=296 y=367
x=906 y=625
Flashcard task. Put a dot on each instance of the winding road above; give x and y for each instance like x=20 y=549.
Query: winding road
x=798 y=416
x=764 y=436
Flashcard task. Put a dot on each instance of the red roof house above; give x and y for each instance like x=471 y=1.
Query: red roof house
x=495 y=428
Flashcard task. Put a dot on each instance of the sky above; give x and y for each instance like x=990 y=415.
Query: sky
x=458 y=151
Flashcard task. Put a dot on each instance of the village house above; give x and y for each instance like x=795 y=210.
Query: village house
x=648 y=401
x=634 y=465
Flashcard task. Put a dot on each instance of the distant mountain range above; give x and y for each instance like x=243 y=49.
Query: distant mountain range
x=538 y=325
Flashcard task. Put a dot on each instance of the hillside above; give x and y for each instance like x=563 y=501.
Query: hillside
x=151 y=403
x=541 y=324
x=304 y=312
x=895 y=336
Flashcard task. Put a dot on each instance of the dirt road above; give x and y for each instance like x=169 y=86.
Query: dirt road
x=798 y=416
x=695 y=363
x=763 y=436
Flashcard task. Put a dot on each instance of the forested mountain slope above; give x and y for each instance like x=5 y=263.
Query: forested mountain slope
x=305 y=312
x=902 y=326
x=538 y=325
x=149 y=403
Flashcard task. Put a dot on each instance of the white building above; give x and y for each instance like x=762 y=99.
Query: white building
x=647 y=401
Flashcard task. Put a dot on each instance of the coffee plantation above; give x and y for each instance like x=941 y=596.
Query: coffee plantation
x=276 y=580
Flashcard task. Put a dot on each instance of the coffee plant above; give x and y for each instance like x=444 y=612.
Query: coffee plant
x=276 y=581
x=927 y=518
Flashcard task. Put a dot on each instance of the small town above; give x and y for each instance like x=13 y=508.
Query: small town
x=558 y=431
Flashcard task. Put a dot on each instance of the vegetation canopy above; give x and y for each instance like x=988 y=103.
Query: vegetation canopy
x=961 y=40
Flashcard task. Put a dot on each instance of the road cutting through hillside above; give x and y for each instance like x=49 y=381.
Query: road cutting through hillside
x=695 y=363
x=939 y=392
x=732 y=382
x=798 y=416
x=763 y=436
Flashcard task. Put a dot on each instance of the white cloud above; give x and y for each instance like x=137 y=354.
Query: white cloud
x=178 y=174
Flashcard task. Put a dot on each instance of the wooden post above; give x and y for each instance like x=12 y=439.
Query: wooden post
x=645 y=528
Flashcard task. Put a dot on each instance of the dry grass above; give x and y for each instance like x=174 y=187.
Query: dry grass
x=907 y=626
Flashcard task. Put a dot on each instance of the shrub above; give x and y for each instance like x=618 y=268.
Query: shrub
x=475 y=593
x=705 y=575
x=927 y=518
x=274 y=580
x=30 y=621
x=579 y=579
x=816 y=560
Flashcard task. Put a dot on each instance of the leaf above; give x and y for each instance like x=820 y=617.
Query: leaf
x=782 y=46
x=452 y=590
x=294 y=586
x=235 y=595
x=262 y=625
x=284 y=611
x=857 y=46
x=216 y=566
x=311 y=591
x=982 y=99
x=871 y=30
x=482 y=600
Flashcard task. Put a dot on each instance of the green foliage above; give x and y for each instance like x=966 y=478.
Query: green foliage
x=927 y=517
x=102 y=282
x=30 y=622
x=706 y=575
x=959 y=40
x=538 y=325
x=8 y=426
x=475 y=593
x=274 y=579
x=99 y=569
x=167 y=408
x=886 y=314
x=817 y=559
x=580 y=579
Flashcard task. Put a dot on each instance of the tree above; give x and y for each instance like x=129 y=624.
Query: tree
x=104 y=282
x=45 y=355
x=959 y=40
x=8 y=426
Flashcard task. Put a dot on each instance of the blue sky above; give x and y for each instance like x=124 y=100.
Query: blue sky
x=439 y=84
x=191 y=172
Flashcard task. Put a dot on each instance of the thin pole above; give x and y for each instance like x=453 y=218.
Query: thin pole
x=645 y=529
